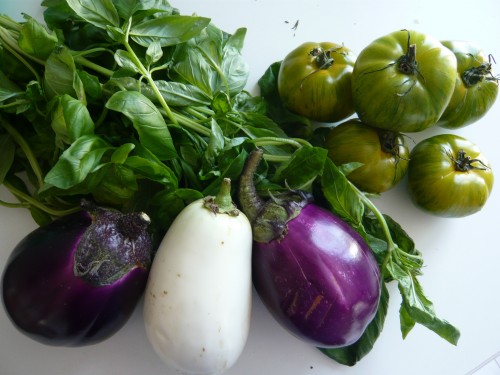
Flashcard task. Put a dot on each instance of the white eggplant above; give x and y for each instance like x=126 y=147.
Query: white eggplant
x=198 y=297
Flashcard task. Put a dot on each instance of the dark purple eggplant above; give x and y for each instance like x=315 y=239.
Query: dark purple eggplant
x=77 y=280
x=313 y=271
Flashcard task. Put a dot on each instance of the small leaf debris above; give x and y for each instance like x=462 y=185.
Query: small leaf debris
x=294 y=27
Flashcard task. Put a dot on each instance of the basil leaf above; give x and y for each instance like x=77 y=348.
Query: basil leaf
x=215 y=142
x=340 y=195
x=60 y=75
x=117 y=187
x=91 y=84
x=302 y=169
x=124 y=59
x=167 y=204
x=154 y=52
x=35 y=40
x=8 y=89
x=293 y=124
x=77 y=161
x=212 y=61
x=182 y=95
x=147 y=120
x=70 y=120
x=121 y=154
x=128 y=8
x=147 y=165
x=230 y=165
x=352 y=354
x=234 y=67
x=417 y=308
x=100 y=13
x=167 y=29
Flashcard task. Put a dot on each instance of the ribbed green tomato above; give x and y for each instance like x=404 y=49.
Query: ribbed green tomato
x=314 y=81
x=403 y=81
x=476 y=87
x=383 y=153
x=448 y=176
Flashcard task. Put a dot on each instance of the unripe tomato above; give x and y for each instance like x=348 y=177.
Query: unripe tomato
x=448 y=176
x=383 y=153
x=314 y=81
x=476 y=86
x=403 y=81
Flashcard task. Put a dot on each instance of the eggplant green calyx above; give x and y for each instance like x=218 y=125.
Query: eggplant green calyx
x=112 y=246
x=222 y=203
x=268 y=218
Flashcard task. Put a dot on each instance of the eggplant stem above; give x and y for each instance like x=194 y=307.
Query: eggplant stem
x=222 y=203
x=251 y=203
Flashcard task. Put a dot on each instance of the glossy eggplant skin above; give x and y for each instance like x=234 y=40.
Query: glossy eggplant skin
x=320 y=281
x=49 y=303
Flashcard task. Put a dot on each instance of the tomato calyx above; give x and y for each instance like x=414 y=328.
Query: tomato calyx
x=323 y=58
x=477 y=74
x=406 y=64
x=388 y=142
x=464 y=163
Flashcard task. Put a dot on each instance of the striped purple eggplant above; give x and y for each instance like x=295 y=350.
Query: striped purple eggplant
x=313 y=271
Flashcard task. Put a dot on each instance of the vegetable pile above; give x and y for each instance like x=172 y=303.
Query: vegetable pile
x=138 y=108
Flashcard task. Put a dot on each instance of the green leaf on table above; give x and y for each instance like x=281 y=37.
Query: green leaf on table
x=147 y=120
x=417 y=308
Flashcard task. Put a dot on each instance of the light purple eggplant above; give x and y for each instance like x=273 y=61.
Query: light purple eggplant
x=77 y=280
x=313 y=271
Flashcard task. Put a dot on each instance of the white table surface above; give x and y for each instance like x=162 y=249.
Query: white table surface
x=462 y=274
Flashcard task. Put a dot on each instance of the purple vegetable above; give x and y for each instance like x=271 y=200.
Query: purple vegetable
x=314 y=272
x=77 y=280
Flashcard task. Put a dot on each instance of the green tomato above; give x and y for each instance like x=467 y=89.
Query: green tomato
x=448 y=176
x=476 y=87
x=403 y=81
x=314 y=81
x=383 y=154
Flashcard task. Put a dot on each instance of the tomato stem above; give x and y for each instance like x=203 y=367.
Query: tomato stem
x=323 y=58
x=477 y=74
x=464 y=163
